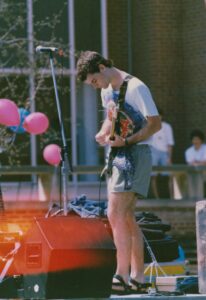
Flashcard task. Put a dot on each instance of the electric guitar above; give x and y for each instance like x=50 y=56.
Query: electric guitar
x=121 y=123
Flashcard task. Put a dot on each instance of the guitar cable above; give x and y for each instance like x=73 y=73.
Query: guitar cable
x=101 y=214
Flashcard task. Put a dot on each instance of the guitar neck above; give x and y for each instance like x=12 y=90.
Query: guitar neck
x=112 y=131
x=114 y=110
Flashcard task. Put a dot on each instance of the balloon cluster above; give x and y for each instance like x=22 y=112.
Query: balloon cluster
x=20 y=120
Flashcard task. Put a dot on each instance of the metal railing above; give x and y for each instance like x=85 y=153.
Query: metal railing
x=188 y=180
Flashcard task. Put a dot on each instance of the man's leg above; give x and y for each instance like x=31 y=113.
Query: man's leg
x=137 y=249
x=126 y=234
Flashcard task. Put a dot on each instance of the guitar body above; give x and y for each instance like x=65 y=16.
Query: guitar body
x=126 y=125
x=124 y=122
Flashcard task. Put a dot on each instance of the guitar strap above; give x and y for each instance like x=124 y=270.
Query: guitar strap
x=120 y=104
x=121 y=99
x=122 y=92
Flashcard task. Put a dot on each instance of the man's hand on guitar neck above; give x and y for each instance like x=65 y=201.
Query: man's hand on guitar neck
x=117 y=142
x=101 y=138
x=103 y=134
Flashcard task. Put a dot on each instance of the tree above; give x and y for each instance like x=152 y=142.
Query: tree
x=48 y=24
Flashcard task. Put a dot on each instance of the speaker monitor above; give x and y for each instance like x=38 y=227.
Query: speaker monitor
x=66 y=257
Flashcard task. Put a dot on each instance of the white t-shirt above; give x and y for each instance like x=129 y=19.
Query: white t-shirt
x=163 y=138
x=138 y=96
x=191 y=154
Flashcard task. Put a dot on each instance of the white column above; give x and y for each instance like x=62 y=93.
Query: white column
x=104 y=34
x=201 y=244
x=73 y=108
x=31 y=75
x=104 y=39
x=90 y=110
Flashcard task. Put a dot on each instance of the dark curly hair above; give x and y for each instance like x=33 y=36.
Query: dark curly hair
x=88 y=63
x=197 y=133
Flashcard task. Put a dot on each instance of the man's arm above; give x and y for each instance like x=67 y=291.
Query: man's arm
x=104 y=132
x=153 y=125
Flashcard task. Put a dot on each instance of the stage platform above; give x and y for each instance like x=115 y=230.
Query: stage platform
x=183 y=297
x=142 y=296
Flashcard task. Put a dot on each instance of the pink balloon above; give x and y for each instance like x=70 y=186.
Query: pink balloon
x=9 y=114
x=52 y=154
x=36 y=123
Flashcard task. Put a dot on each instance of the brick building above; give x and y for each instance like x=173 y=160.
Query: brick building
x=168 y=53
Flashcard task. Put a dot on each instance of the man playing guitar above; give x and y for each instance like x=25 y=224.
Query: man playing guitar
x=132 y=119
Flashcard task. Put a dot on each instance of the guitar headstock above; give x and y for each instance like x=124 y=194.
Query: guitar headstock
x=112 y=115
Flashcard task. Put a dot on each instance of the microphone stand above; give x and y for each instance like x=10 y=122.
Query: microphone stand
x=65 y=165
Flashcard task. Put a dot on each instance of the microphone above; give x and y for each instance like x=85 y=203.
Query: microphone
x=46 y=49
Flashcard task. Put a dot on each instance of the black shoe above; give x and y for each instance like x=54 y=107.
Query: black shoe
x=119 y=287
x=139 y=288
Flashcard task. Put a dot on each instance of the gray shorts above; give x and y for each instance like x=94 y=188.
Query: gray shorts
x=141 y=179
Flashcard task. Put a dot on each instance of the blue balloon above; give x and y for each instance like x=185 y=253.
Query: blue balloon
x=23 y=113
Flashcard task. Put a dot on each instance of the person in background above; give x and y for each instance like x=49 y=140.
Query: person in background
x=196 y=154
x=130 y=164
x=162 y=148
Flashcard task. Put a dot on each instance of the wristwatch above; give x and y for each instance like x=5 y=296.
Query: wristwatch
x=126 y=143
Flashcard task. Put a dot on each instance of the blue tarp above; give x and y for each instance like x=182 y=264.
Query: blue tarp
x=88 y=208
